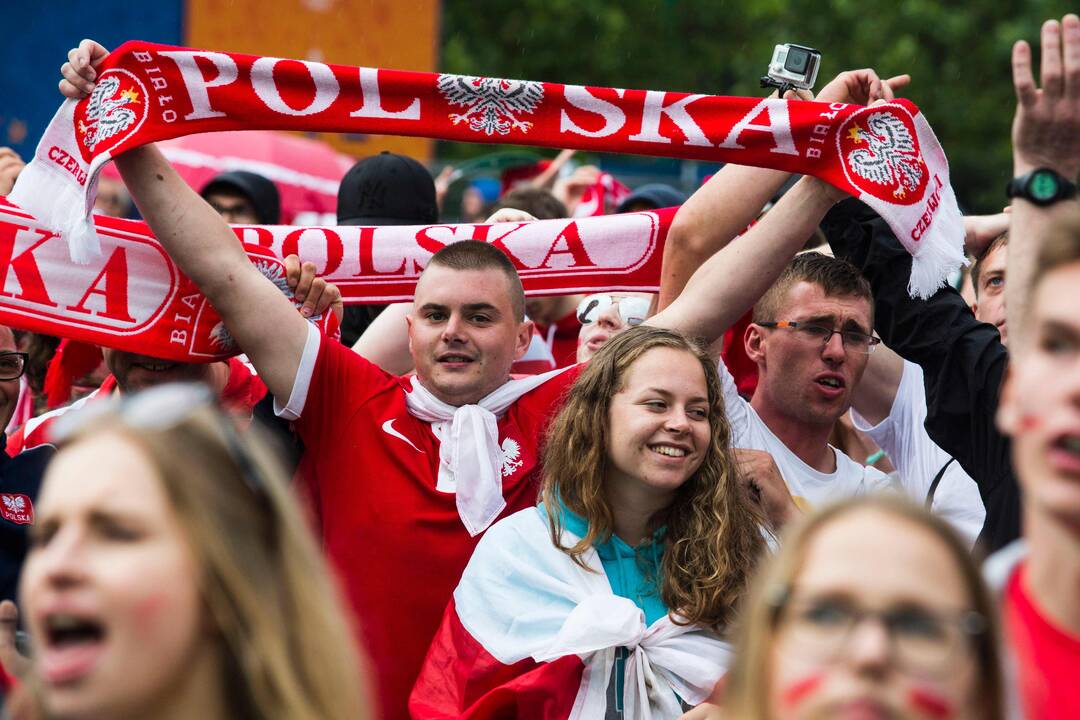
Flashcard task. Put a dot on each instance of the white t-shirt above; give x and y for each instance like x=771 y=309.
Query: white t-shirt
x=809 y=488
x=918 y=459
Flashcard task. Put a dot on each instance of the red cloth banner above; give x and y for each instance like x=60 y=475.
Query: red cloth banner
x=132 y=296
x=886 y=154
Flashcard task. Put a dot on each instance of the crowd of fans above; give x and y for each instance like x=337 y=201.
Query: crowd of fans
x=780 y=488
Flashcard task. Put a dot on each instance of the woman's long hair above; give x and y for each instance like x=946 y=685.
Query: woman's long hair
x=286 y=645
x=747 y=691
x=713 y=533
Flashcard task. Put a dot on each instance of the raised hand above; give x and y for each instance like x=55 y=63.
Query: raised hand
x=79 y=71
x=861 y=87
x=315 y=293
x=1046 y=127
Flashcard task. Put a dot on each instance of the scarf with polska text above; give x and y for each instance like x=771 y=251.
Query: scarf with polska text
x=886 y=154
x=133 y=297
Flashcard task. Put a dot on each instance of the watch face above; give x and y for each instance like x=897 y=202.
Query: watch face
x=1043 y=185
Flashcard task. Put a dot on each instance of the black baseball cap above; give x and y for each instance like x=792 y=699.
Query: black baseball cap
x=655 y=195
x=262 y=193
x=387 y=189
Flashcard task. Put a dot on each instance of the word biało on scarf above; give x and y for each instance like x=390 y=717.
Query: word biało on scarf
x=886 y=154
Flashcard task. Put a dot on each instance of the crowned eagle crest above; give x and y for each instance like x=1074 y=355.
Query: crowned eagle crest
x=275 y=273
x=889 y=157
x=492 y=105
x=107 y=115
x=14 y=503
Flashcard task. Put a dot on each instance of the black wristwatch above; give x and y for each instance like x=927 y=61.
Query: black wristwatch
x=1041 y=186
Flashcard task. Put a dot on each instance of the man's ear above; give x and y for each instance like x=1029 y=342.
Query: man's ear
x=754 y=342
x=408 y=324
x=1008 y=412
x=523 y=339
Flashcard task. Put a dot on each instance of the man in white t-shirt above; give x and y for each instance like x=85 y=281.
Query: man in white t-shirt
x=810 y=338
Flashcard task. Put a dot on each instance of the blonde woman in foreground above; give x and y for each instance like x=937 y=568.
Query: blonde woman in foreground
x=171 y=576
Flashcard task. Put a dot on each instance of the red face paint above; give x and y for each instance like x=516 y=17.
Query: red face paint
x=797 y=691
x=930 y=703
x=1029 y=422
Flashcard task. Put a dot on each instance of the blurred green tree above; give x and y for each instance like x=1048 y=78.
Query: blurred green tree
x=957 y=55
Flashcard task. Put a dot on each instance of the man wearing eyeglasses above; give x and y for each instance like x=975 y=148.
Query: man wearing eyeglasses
x=20 y=476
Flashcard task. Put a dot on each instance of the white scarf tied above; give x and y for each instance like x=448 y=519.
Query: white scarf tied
x=470 y=459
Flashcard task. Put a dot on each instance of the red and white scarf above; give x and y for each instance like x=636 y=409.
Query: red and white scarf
x=133 y=297
x=886 y=155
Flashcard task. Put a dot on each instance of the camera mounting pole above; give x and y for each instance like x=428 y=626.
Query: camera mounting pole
x=783 y=87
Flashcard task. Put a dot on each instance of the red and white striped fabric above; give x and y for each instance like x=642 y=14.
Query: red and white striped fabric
x=530 y=634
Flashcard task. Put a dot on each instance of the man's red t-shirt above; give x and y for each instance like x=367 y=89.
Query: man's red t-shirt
x=1045 y=657
x=371 y=470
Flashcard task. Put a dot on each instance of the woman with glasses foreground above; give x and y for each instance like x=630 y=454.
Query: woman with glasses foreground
x=610 y=599
x=872 y=608
x=170 y=575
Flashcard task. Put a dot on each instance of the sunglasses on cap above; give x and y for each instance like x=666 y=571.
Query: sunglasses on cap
x=632 y=310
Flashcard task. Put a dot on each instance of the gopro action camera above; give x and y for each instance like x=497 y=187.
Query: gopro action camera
x=792 y=66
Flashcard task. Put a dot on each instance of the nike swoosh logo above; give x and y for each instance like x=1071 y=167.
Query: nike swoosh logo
x=388 y=428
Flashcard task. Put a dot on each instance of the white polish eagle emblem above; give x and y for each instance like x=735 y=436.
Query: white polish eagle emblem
x=890 y=157
x=107 y=115
x=492 y=105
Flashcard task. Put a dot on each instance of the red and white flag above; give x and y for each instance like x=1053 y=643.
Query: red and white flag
x=532 y=635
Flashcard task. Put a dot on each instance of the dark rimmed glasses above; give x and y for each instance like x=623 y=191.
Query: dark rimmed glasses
x=12 y=364
x=853 y=340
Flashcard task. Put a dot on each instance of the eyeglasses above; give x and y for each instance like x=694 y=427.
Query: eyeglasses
x=161 y=408
x=921 y=639
x=632 y=310
x=12 y=365
x=853 y=340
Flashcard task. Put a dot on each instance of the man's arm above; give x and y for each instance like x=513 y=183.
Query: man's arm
x=262 y=320
x=725 y=205
x=710 y=219
x=733 y=279
x=1045 y=133
x=385 y=341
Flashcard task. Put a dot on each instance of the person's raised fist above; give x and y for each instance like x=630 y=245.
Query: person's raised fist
x=79 y=71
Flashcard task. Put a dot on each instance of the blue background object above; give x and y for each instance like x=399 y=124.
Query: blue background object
x=37 y=37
